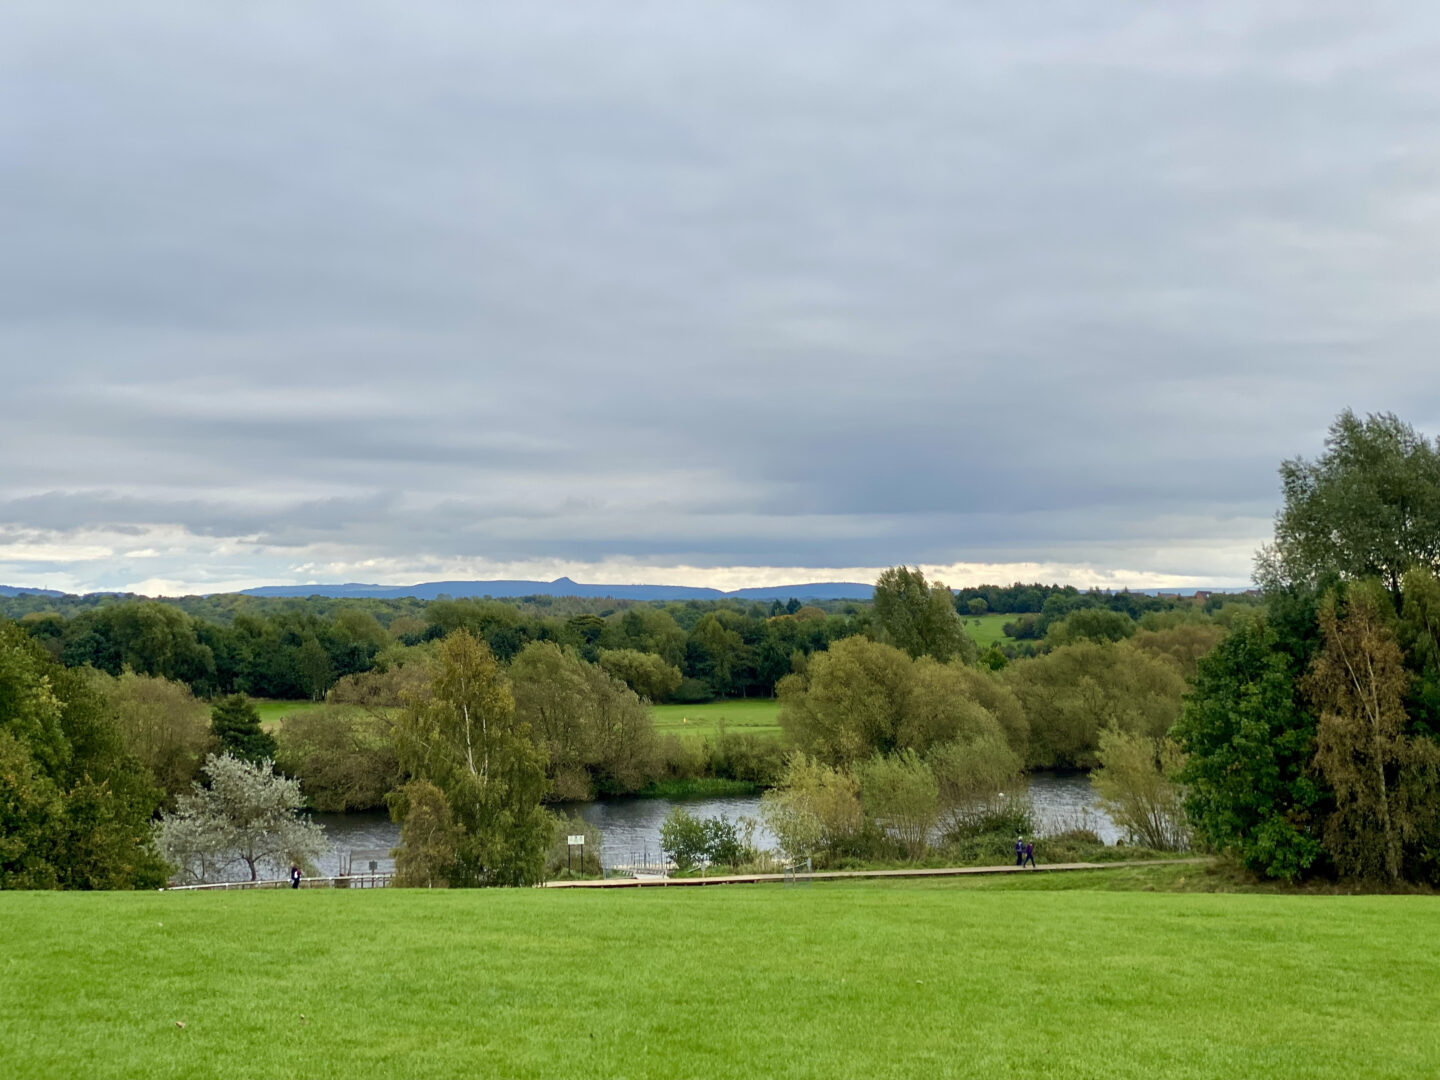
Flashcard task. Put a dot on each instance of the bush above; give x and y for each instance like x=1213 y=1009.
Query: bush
x=689 y=840
x=680 y=759
x=814 y=810
x=901 y=797
x=693 y=692
x=747 y=757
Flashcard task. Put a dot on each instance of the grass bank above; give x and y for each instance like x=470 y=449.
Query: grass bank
x=754 y=716
x=902 y=979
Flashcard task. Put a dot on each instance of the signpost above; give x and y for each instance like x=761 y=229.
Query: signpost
x=572 y=842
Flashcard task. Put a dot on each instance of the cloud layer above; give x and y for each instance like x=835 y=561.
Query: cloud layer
x=708 y=293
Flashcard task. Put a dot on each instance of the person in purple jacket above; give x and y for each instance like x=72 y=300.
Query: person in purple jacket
x=1030 y=853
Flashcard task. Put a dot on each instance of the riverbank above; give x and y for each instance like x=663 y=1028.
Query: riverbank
x=994 y=978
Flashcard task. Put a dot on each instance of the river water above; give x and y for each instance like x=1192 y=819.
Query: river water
x=630 y=828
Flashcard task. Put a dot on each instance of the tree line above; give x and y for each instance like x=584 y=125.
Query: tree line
x=290 y=649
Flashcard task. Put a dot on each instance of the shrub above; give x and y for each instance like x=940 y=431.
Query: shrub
x=901 y=796
x=814 y=810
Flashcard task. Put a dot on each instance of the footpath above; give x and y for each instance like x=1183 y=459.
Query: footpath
x=840 y=875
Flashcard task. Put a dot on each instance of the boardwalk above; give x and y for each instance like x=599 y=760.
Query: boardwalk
x=839 y=875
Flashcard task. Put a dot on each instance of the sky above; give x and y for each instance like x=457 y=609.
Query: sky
x=699 y=293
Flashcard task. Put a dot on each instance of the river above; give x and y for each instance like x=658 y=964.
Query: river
x=630 y=827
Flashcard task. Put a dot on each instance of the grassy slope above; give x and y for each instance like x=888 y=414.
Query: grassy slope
x=891 y=980
x=758 y=716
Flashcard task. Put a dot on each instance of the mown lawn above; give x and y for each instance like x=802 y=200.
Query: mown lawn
x=910 y=979
x=756 y=716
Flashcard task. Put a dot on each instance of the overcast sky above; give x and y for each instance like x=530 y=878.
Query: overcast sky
x=720 y=294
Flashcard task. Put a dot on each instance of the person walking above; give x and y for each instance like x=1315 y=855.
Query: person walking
x=1030 y=854
x=1019 y=851
x=294 y=876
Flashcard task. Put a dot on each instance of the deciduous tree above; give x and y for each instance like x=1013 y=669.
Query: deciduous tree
x=463 y=736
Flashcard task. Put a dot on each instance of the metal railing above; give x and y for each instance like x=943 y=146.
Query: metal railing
x=342 y=881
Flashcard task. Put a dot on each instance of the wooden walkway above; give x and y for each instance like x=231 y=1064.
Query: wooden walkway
x=841 y=875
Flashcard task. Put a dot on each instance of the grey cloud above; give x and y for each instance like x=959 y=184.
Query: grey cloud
x=708 y=284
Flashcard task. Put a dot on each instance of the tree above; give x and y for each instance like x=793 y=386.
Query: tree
x=246 y=815
x=1367 y=507
x=345 y=754
x=463 y=736
x=1138 y=784
x=972 y=775
x=1358 y=684
x=161 y=724
x=236 y=726
x=596 y=732
x=646 y=673
x=850 y=703
x=814 y=809
x=313 y=662
x=75 y=806
x=715 y=652
x=683 y=838
x=902 y=797
x=1249 y=740
x=1072 y=693
x=1183 y=644
x=429 y=837
x=919 y=618
x=1090 y=624
x=946 y=702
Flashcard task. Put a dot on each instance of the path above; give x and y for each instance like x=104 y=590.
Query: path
x=834 y=875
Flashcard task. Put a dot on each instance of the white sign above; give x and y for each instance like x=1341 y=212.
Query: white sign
x=577 y=840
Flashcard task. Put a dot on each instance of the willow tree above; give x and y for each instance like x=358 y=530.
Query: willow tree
x=462 y=735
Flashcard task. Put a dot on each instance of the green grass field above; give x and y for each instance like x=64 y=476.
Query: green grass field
x=273 y=712
x=986 y=629
x=905 y=979
x=756 y=716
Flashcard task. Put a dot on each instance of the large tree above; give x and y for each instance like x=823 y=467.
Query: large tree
x=245 y=815
x=161 y=723
x=919 y=618
x=1369 y=506
x=1250 y=738
x=75 y=805
x=463 y=736
x=1383 y=779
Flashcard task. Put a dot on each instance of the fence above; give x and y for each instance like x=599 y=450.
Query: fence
x=343 y=881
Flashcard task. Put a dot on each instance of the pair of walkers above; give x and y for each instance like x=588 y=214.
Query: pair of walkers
x=1024 y=852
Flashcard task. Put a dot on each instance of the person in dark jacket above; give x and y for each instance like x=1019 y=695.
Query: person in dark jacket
x=1019 y=852
x=294 y=876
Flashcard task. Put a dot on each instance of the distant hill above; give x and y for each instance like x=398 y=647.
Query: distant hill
x=429 y=590
x=13 y=590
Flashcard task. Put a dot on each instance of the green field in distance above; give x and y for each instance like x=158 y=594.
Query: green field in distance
x=758 y=716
